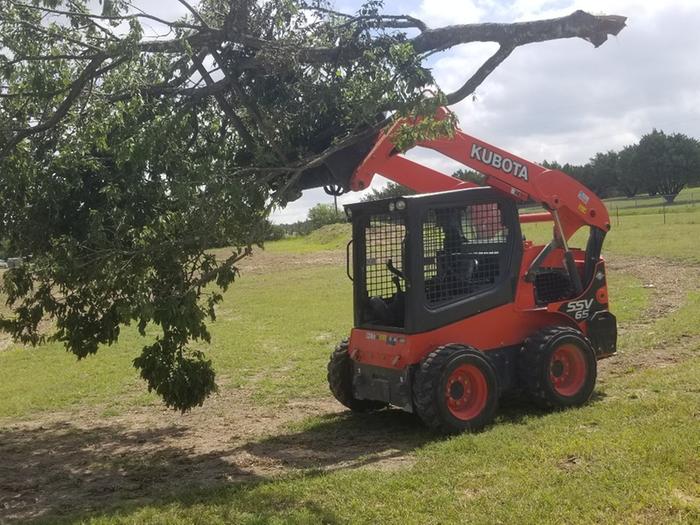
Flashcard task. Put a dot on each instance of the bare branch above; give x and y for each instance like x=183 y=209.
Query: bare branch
x=579 y=24
x=194 y=12
x=480 y=75
x=94 y=16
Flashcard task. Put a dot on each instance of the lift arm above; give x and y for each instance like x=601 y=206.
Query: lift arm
x=568 y=202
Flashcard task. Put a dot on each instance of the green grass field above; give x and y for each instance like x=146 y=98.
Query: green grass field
x=631 y=456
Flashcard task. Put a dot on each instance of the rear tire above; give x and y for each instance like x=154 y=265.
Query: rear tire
x=455 y=390
x=340 y=372
x=558 y=368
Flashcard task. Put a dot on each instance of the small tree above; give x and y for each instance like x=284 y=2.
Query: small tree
x=392 y=189
x=470 y=176
x=602 y=174
x=628 y=180
x=273 y=232
x=666 y=163
x=322 y=215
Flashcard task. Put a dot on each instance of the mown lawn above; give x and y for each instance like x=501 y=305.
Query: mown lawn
x=626 y=458
x=630 y=456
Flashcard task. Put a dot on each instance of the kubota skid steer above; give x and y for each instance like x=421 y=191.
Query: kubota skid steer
x=453 y=307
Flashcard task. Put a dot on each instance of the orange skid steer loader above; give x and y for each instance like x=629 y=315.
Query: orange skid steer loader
x=453 y=307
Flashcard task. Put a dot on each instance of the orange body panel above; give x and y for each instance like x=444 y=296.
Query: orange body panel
x=506 y=325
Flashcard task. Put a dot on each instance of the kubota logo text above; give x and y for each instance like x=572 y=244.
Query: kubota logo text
x=505 y=164
x=579 y=309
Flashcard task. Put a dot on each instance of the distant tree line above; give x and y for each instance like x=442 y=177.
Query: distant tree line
x=320 y=215
x=659 y=164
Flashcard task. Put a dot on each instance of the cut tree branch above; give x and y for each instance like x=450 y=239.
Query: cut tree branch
x=480 y=75
x=595 y=29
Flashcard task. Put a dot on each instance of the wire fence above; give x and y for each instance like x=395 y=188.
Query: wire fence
x=687 y=200
x=691 y=197
x=652 y=205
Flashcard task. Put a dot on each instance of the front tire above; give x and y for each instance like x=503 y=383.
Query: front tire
x=340 y=372
x=558 y=368
x=455 y=390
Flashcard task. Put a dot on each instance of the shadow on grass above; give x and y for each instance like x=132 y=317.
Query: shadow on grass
x=65 y=472
x=346 y=440
x=518 y=408
x=62 y=471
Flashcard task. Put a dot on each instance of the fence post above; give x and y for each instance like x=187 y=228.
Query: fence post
x=664 y=213
x=617 y=212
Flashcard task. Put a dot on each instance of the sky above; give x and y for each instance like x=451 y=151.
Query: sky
x=562 y=100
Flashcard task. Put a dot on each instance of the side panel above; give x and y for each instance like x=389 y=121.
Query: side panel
x=500 y=327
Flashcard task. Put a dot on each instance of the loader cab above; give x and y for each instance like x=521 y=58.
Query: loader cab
x=422 y=262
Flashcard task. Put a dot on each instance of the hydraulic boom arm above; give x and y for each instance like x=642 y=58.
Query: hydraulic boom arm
x=566 y=200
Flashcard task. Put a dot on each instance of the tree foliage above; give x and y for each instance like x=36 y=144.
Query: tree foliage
x=125 y=157
x=389 y=190
x=666 y=163
x=323 y=214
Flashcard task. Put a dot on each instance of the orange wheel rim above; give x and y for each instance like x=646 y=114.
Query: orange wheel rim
x=466 y=392
x=568 y=370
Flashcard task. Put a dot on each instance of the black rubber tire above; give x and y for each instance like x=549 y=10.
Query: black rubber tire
x=430 y=384
x=340 y=381
x=534 y=367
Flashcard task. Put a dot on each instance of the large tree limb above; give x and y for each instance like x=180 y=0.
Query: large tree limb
x=579 y=24
x=201 y=39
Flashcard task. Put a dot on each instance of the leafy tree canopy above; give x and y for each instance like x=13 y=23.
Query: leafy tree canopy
x=659 y=164
x=124 y=156
x=666 y=163
x=323 y=214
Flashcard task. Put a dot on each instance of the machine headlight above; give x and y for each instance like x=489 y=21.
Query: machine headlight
x=391 y=206
x=400 y=205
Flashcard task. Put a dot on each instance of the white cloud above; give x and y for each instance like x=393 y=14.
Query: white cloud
x=568 y=100
x=438 y=14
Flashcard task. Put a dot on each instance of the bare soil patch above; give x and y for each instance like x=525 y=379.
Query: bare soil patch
x=669 y=283
x=77 y=462
x=262 y=261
